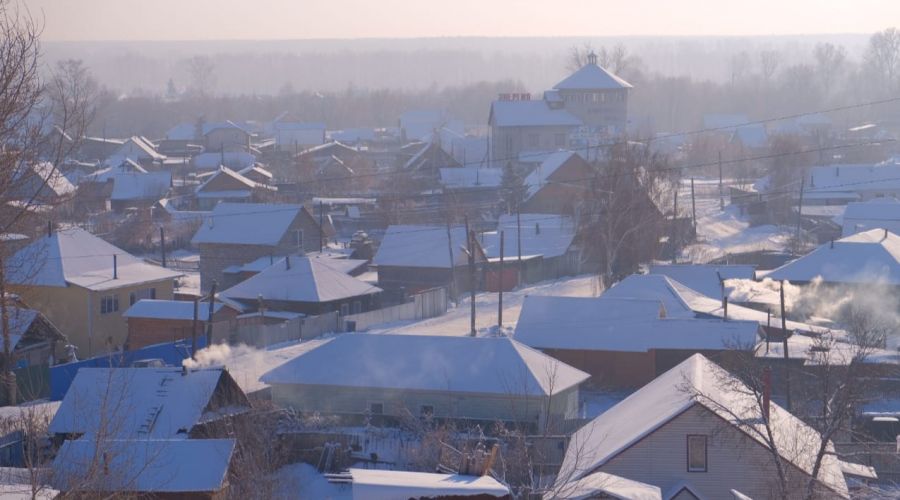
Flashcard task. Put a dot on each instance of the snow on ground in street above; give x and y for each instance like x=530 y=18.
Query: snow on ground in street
x=457 y=319
x=721 y=232
x=188 y=284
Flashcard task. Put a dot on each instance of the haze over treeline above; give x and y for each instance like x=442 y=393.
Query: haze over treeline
x=345 y=83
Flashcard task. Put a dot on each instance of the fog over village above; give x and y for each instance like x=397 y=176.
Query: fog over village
x=450 y=250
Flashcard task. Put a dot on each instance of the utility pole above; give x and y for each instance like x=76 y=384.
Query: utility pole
x=321 y=226
x=472 y=278
x=452 y=273
x=693 y=208
x=502 y=276
x=162 y=244
x=675 y=229
x=721 y=190
x=799 y=217
x=212 y=305
x=787 y=367
x=519 y=237
x=194 y=329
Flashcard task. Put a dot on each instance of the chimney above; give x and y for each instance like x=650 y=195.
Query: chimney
x=725 y=307
x=537 y=228
x=832 y=244
x=885 y=234
x=287 y=261
x=115 y=267
x=49 y=228
x=767 y=391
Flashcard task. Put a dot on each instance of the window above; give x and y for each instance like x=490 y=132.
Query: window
x=109 y=304
x=534 y=140
x=426 y=411
x=146 y=293
x=376 y=408
x=345 y=309
x=696 y=453
x=298 y=236
x=356 y=308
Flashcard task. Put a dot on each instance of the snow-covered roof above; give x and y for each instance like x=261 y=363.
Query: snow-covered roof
x=704 y=278
x=683 y=302
x=137 y=186
x=548 y=166
x=279 y=125
x=256 y=168
x=626 y=325
x=853 y=178
x=143 y=466
x=492 y=365
x=471 y=177
x=351 y=135
x=603 y=485
x=134 y=403
x=877 y=213
x=751 y=136
x=592 y=77
x=374 y=484
x=304 y=280
x=531 y=114
x=169 y=309
x=673 y=393
x=542 y=234
x=421 y=246
x=117 y=166
x=182 y=132
x=53 y=178
x=234 y=159
x=247 y=223
x=77 y=257
x=138 y=147
x=227 y=124
x=869 y=257
x=227 y=172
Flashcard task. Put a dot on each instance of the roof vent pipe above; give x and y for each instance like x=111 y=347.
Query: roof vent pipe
x=115 y=267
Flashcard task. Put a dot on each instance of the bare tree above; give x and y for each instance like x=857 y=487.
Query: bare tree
x=39 y=121
x=883 y=58
x=201 y=75
x=830 y=60
x=769 y=61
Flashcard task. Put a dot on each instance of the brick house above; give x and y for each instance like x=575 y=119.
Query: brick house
x=237 y=233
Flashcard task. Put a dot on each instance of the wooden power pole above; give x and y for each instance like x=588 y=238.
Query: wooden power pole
x=502 y=276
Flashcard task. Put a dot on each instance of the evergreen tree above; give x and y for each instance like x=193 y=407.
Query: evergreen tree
x=512 y=187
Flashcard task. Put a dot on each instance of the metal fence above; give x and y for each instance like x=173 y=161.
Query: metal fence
x=305 y=328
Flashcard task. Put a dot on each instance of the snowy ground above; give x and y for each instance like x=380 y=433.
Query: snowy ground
x=721 y=232
x=457 y=319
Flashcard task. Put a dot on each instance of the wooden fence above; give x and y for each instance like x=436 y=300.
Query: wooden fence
x=306 y=328
x=427 y=304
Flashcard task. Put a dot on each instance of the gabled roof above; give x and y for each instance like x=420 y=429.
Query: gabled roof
x=704 y=278
x=592 y=77
x=624 y=325
x=422 y=246
x=51 y=177
x=77 y=257
x=256 y=168
x=139 y=147
x=170 y=309
x=143 y=466
x=142 y=403
x=539 y=176
x=530 y=114
x=137 y=186
x=247 y=224
x=227 y=172
x=681 y=301
x=603 y=485
x=873 y=211
x=306 y=280
x=236 y=159
x=372 y=484
x=673 y=393
x=491 y=365
x=227 y=124
x=752 y=136
x=542 y=234
x=118 y=166
x=869 y=257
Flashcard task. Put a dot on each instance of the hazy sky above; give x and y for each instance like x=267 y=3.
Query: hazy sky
x=297 y=19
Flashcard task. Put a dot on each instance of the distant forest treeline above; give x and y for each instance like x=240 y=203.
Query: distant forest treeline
x=153 y=85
